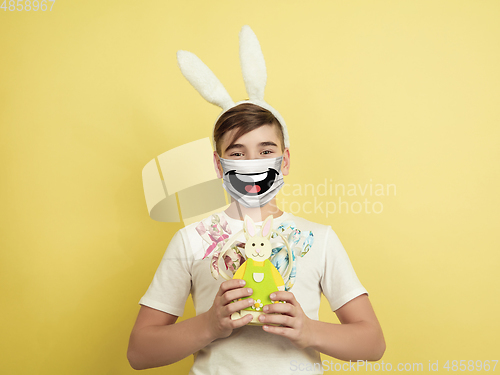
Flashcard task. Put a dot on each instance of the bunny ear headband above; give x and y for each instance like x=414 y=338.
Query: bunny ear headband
x=254 y=72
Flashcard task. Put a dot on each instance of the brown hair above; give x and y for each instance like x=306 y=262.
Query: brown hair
x=244 y=117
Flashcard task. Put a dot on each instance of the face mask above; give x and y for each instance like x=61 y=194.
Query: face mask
x=253 y=183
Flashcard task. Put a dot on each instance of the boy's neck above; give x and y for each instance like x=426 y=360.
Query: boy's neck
x=237 y=211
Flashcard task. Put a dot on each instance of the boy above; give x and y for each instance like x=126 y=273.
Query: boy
x=225 y=346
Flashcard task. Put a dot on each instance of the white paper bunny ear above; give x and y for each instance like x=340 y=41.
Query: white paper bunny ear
x=253 y=65
x=203 y=80
x=249 y=227
x=267 y=225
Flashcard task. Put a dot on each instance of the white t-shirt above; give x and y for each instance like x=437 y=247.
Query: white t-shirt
x=250 y=350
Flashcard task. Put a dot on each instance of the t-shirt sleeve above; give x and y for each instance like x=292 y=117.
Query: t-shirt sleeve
x=339 y=282
x=171 y=283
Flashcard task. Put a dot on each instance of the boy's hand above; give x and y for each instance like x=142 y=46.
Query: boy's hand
x=219 y=315
x=295 y=323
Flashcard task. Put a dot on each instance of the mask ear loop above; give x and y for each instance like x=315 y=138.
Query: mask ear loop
x=230 y=242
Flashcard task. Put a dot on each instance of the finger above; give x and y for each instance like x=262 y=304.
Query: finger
x=235 y=294
x=281 y=308
x=284 y=296
x=237 y=306
x=228 y=285
x=281 y=331
x=284 y=320
x=241 y=321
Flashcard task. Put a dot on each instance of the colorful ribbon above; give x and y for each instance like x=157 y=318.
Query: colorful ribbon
x=279 y=256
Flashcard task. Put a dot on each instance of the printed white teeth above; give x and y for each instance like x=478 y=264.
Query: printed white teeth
x=252 y=178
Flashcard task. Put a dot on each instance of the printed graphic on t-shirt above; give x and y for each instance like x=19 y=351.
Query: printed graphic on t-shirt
x=215 y=232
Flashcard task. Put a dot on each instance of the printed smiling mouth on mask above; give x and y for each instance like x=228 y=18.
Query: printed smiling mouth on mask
x=253 y=183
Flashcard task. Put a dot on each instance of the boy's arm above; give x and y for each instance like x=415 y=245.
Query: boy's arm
x=156 y=340
x=359 y=337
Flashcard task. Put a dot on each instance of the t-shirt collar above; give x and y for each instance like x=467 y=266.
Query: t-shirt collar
x=277 y=220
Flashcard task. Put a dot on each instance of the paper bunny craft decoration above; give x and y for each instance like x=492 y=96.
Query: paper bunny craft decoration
x=258 y=272
x=254 y=72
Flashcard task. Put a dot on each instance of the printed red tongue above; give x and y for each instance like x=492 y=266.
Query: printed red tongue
x=252 y=188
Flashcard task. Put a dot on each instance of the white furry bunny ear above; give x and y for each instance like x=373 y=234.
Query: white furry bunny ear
x=203 y=80
x=253 y=65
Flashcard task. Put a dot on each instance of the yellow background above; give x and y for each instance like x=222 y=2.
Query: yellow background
x=392 y=92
